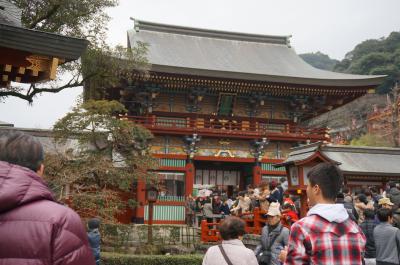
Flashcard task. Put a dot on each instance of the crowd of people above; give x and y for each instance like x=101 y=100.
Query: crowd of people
x=340 y=227
x=218 y=205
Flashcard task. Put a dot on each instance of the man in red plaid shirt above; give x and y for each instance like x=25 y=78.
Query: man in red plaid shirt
x=326 y=236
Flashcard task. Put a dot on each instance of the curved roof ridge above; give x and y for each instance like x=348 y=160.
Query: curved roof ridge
x=201 y=32
x=361 y=149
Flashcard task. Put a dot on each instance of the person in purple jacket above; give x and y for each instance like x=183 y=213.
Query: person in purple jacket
x=34 y=228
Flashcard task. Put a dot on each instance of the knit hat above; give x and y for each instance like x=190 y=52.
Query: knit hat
x=273 y=209
x=385 y=201
x=93 y=223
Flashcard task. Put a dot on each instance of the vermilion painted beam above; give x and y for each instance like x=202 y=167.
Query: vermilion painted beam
x=224 y=159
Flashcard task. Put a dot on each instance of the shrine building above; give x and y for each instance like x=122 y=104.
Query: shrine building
x=361 y=166
x=224 y=107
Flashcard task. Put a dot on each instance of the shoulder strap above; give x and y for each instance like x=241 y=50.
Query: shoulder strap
x=224 y=254
x=398 y=243
x=273 y=240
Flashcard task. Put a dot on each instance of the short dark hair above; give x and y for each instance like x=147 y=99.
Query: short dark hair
x=282 y=179
x=362 y=198
x=328 y=177
x=242 y=193
x=384 y=214
x=369 y=214
x=340 y=195
x=93 y=223
x=21 y=149
x=231 y=228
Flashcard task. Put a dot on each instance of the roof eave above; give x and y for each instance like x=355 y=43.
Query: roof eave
x=42 y=43
x=368 y=173
x=366 y=82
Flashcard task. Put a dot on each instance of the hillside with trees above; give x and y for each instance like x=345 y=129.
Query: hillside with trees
x=319 y=60
x=370 y=57
x=374 y=57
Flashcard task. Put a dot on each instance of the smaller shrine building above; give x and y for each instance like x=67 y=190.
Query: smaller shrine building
x=361 y=166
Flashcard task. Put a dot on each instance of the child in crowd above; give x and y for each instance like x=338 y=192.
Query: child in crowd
x=94 y=238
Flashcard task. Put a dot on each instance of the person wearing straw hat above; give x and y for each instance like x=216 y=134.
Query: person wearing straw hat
x=274 y=237
x=385 y=203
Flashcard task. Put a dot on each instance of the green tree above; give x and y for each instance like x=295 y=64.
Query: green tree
x=100 y=64
x=375 y=57
x=110 y=155
x=319 y=60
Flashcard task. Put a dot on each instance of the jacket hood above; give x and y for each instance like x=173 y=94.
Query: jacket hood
x=19 y=186
x=330 y=212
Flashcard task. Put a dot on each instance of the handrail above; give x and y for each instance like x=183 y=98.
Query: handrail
x=219 y=125
x=255 y=221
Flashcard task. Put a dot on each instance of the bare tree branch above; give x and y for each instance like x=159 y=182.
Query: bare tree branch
x=50 y=13
x=33 y=90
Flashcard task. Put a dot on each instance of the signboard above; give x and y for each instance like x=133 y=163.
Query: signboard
x=217 y=177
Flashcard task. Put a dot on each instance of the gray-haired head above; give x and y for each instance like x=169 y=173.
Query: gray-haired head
x=21 y=149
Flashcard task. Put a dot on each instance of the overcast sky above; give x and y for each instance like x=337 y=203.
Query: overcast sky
x=333 y=27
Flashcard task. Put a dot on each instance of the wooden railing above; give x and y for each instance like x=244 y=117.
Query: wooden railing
x=232 y=126
x=255 y=221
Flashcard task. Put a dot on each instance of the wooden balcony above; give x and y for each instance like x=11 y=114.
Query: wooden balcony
x=228 y=127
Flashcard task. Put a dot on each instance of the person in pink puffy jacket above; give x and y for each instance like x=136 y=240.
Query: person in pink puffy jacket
x=34 y=228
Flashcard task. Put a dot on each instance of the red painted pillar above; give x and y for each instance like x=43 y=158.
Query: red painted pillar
x=303 y=204
x=256 y=175
x=141 y=199
x=189 y=180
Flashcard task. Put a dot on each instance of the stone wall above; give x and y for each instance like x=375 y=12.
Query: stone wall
x=173 y=239
x=133 y=237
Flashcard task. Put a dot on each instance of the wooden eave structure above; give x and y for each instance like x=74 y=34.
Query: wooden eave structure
x=30 y=56
x=181 y=82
